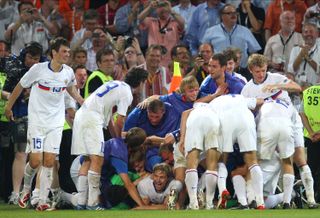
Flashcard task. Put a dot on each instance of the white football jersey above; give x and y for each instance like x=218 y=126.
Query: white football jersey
x=255 y=90
x=46 y=103
x=108 y=95
x=276 y=109
x=146 y=190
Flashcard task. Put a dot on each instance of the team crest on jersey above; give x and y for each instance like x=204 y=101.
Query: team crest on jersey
x=66 y=82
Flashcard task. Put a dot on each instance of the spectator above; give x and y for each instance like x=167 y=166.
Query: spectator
x=304 y=59
x=4 y=49
x=230 y=34
x=185 y=9
x=126 y=21
x=73 y=12
x=100 y=40
x=9 y=14
x=132 y=54
x=279 y=46
x=107 y=14
x=50 y=11
x=312 y=14
x=252 y=17
x=181 y=54
x=272 y=22
x=158 y=77
x=83 y=37
x=200 y=69
x=232 y=58
x=165 y=29
x=205 y=16
x=31 y=26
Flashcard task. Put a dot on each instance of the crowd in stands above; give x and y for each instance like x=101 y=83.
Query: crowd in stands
x=166 y=104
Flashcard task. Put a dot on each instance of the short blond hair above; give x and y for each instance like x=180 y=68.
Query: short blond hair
x=257 y=60
x=188 y=82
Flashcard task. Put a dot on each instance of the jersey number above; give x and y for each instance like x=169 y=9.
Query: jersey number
x=37 y=143
x=108 y=87
x=313 y=100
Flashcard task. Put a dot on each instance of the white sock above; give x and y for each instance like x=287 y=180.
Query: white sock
x=239 y=184
x=28 y=177
x=94 y=188
x=46 y=178
x=307 y=180
x=202 y=182
x=288 y=181
x=83 y=190
x=211 y=184
x=257 y=183
x=222 y=177
x=273 y=200
x=192 y=185
x=250 y=191
x=70 y=198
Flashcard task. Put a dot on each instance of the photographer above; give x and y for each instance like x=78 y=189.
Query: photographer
x=31 y=26
x=165 y=29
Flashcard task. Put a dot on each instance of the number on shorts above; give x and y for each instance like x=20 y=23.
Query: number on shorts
x=313 y=100
x=37 y=143
x=108 y=87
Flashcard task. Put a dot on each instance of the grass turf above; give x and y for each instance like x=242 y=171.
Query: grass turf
x=8 y=211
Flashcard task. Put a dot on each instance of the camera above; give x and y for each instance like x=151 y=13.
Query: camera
x=29 y=11
x=200 y=55
x=128 y=41
x=163 y=30
x=314 y=14
x=95 y=35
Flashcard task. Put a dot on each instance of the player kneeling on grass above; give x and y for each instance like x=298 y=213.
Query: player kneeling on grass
x=115 y=163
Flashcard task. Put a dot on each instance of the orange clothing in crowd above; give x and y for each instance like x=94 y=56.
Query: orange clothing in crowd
x=66 y=10
x=274 y=10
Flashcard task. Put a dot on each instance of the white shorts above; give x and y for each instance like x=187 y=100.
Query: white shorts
x=241 y=129
x=202 y=130
x=180 y=160
x=41 y=139
x=87 y=134
x=271 y=170
x=297 y=130
x=74 y=170
x=275 y=134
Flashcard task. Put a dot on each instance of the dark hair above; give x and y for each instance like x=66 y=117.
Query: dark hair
x=175 y=49
x=7 y=45
x=33 y=48
x=224 y=7
x=154 y=47
x=90 y=15
x=230 y=54
x=24 y=3
x=135 y=76
x=220 y=58
x=56 y=43
x=78 y=50
x=135 y=137
x=103 y=52
x=136 y=156
x=156 y=105
x=78 y=66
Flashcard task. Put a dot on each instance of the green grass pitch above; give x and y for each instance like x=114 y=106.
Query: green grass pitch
x=8 y=211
